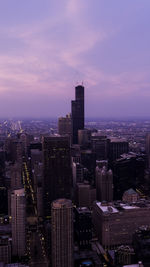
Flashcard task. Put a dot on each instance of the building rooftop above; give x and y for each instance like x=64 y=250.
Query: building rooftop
x=130 y=155
x=62 y=202
x=19 y=192
x=83 y=210
x=131 y=191
x=117 y=140
x=116 y=207
x=128 y=207
x=107 y=208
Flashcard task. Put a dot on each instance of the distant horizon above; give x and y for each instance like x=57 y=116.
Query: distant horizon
x=86 y=118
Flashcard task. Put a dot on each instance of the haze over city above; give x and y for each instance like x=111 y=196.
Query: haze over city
x=48 y=47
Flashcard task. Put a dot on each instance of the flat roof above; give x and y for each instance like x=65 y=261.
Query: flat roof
x=110 y=208
x=107 y=208
x=128 y=207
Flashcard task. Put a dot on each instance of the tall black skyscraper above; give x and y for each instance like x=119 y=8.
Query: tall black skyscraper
x=77 y=110
x=57 y=180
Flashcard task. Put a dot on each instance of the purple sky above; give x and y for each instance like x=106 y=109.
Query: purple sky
x=48 y=46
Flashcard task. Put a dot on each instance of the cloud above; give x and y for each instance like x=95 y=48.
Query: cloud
x=48 y=56
x=47 y=60
x=73 y=7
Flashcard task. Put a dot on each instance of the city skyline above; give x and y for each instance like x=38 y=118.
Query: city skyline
x=47 y=48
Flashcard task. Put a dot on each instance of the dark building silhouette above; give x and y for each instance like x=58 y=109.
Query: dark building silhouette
x=117 y=147
x=83 y=227
x=124 y=255
x=34 y=146
x=14 y=149
x=5 y=249
x=87 y=258
x=141 y=244
x=77 y=110
x=57 y=178
x=128 y=172
x=3 y=201
x=100 y=145
x=88 y=160
x=85 y=194
x=37 y=185
x=2 y=168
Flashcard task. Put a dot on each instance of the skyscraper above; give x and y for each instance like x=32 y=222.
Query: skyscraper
x=64 y=125
x=62 y=233
x=117 y=147
x=18 y=207
x=84 y=138
x=100 y=145
x=104 y=184
x=5 y=249
x=16 y=179
x=77 y=110
x=57 y=170
x=85 y=194
x=83 y=227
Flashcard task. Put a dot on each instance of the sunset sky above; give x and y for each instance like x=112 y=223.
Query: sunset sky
x=47 y=47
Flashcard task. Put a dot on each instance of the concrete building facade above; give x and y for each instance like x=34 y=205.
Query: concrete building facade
x=62 y=233
x=18 y=213
x=115 y=222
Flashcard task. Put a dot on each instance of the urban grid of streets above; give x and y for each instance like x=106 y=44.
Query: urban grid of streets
x=35 y=238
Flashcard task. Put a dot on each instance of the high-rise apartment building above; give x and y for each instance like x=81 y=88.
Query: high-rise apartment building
x=117 y=147
x=5 y=249
x=57 y=176
x=64 y=125
x=100 y=145
x=18 y=213
x=14 y=149
x=84 y=138
x=62 y=233
x=128 y=172
x=83 y=227
x=16 y=179
x=85 y=194
x=77 y=110
x=104 y=184
x=77 y=172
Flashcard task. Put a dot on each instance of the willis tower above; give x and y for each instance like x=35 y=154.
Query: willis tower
x=77 y=110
